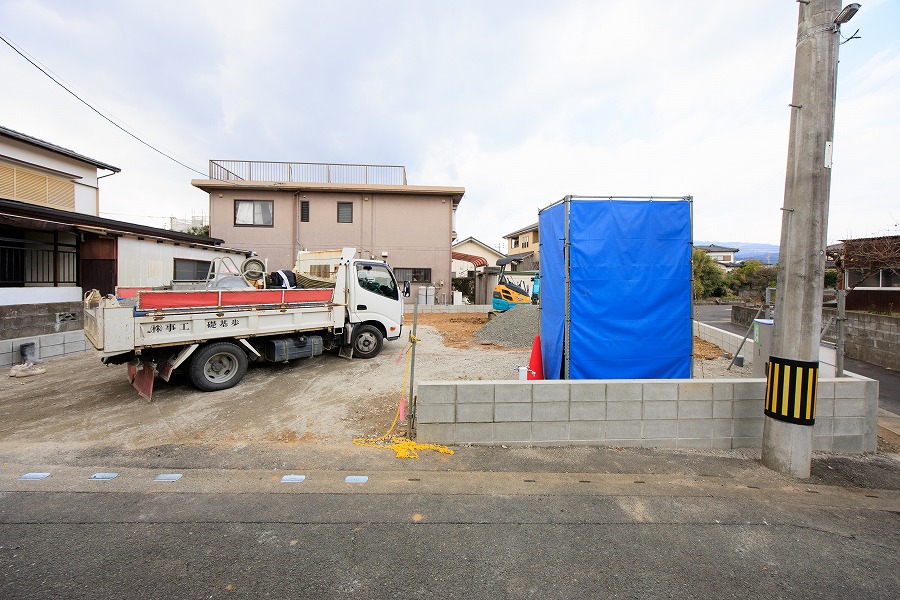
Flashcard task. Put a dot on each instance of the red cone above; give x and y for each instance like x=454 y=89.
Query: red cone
x=535 y=365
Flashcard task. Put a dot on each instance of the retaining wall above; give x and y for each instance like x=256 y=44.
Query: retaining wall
x=56 y=328
x=713 y=413
x=868 y=337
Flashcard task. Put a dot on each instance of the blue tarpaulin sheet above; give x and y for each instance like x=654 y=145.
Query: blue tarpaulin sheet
x=629 y=267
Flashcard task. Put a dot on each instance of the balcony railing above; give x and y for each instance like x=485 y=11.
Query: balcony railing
x=292 y=172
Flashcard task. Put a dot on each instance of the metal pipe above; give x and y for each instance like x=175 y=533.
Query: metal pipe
x=568 y=283
x=746 y=335
x=410 y=414
x=841 y=318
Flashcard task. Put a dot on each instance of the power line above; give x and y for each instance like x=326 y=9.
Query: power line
x=46 y=72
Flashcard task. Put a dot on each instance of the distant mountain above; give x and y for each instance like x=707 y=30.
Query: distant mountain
x=764 y=253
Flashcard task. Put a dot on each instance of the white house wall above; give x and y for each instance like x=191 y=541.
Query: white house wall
x=86 y=199
x=149 y=263
x=39 y=295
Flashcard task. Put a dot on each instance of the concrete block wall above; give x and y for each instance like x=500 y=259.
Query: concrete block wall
x=46 y=346
x=447 y=308
x=711 y=414
x=727 y=341
x=868 y=337
x=56 y=328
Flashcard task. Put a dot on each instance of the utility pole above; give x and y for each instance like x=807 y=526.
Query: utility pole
x=792 y=378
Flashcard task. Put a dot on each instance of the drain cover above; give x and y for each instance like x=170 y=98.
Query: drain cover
x=356 y=479
x=35 y=476
x=293 y=478
x=104 y=476
x=168 y=477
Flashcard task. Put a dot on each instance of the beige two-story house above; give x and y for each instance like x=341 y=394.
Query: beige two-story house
x=277 y=209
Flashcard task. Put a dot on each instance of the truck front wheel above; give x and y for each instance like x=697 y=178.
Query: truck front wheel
x=217 y=366
x=367 y=341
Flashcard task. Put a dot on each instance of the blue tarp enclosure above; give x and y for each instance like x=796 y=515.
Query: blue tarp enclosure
x=616 y=288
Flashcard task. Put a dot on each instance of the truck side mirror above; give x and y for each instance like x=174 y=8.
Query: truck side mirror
x=406 y=289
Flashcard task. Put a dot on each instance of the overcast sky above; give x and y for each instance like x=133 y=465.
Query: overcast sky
x=520 y=102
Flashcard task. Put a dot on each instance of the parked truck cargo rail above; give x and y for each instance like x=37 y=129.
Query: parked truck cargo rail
x=213 y=334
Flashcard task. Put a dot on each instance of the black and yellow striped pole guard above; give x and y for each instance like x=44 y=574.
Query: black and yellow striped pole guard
x=791 y=387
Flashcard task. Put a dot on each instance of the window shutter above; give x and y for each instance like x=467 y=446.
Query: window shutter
x=304 y=211
x=345 y=212
x=31 y=187
x=60 y=194
x=7 y=182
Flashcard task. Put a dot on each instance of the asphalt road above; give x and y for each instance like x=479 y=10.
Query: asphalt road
x=425 y=534
x=888 y=381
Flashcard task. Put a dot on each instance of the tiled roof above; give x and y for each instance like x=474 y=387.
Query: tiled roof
x=33 y=141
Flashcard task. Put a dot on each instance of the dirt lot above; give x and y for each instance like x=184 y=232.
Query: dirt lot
x=79 y=402
x=80 y=408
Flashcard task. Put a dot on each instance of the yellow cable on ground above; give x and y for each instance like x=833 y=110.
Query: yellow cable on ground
x=404 y=447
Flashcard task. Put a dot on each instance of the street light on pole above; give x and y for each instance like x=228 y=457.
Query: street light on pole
x=792 y=378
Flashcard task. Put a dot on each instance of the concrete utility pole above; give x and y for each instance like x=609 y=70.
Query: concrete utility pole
x=793 y=366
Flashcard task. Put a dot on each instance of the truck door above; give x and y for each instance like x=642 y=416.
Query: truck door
x=376 y=297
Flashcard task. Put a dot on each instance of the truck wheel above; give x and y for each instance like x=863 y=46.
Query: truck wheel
x=367 y=341
x=217 y=366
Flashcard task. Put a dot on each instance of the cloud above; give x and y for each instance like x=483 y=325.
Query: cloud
x=519 y=102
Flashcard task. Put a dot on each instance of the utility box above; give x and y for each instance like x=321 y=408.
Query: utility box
x=763 y=330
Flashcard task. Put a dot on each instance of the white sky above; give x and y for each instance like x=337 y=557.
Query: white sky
x=520 y=102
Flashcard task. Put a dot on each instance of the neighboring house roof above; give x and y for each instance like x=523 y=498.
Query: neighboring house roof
x=477 y=261
x=523 y=230
x=33 y=141
x=479 y=243
x=714 y=248
x=15 y=210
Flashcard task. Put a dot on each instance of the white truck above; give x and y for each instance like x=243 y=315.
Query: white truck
x=216 y=332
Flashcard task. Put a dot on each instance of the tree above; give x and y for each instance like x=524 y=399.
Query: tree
x=199 y=230
x=709 y=280
x=864 y=257
x=752 y=278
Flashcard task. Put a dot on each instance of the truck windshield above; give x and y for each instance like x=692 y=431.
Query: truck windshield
x=377 y=279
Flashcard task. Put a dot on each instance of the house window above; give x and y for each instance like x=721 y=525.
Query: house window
x=514 y=243
x=37 y=262
x=187 y=269
x=304 y=211
x=320 y=270
x=525 y=243
x=253 y=213
x=345 y=212
x=414 y=275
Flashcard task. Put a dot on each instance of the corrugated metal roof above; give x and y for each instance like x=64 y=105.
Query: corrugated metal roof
x=477 y=261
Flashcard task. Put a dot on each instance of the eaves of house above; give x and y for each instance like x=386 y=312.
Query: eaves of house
x=14 y=212
x=38 y=143
x=210 y=185
x=533 y=227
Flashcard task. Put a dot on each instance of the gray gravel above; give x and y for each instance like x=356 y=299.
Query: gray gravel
x=514 y=328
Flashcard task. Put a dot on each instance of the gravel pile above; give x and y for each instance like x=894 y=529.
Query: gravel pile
x=514 y=328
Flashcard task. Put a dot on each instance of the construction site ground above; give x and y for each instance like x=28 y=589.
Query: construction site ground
x=81 y=412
